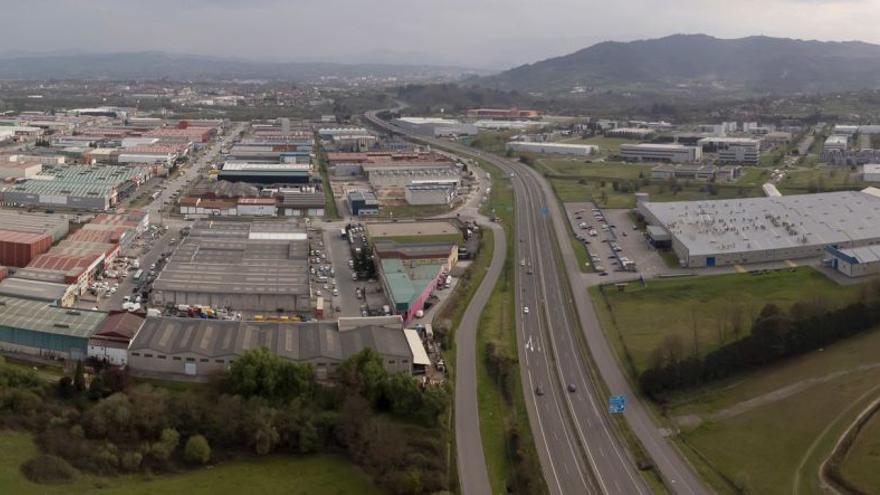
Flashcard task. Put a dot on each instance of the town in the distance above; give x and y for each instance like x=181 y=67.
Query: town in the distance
x=538 y=281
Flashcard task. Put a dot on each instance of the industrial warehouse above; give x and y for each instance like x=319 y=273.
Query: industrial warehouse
x=756 y=230
x=238 y=265
x=194 y=347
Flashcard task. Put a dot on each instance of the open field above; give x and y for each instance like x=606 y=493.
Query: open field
x=609 y=170
x=320 y=475
x=412 y=211
x=580 y=190
x=638 y=319
x=862 y=464
x=820 y=178
x=796 y=411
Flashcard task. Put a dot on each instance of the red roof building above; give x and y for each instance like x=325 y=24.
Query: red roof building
x=19 y=248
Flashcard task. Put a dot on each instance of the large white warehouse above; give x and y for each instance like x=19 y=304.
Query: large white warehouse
x=756 y=230
x=555 y=148
x=436 y=127
x=675 y=153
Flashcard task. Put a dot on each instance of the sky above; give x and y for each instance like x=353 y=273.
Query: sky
x=490 y=34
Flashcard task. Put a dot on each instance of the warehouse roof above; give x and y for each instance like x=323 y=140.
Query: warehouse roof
x=404 y=229
x=755 y=224
x=295 y=341
x=862 y=254
x=22 y=237
x=406 y=282
x=38 y=316
x=20 y=221
x=33 y=289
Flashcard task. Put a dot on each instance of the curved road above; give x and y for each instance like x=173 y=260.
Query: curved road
x=579 y=449
x=472 y=471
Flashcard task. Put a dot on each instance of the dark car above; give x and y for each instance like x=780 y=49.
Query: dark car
x=572 y=388
x=539 y=390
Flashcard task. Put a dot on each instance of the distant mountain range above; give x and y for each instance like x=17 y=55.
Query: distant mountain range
x=160 y=65
x=700 y=62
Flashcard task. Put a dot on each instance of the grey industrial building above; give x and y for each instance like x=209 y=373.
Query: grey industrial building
x=38 y=223
x=195 y=347
x=385 y=178
x=77 y=186
x=260 y=266
x=854 y=262
x=36 y=328
x=430 y=193
x=363 y=203
x=755 y=230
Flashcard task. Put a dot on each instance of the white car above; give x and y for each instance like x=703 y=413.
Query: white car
x=525 y=309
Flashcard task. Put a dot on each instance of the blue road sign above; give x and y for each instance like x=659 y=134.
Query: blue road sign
x=616 y=404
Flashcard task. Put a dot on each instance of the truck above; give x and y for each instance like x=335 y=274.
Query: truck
x=319 y=308
x=153 y=312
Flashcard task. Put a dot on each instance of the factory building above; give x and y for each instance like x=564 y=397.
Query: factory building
x=297 y=203
x=363 y=203
x=56 y=294
x=638 y=133
x=194 y=347
x=111 y=342
x=554 y=148
x=259 y=266
x=757 y=230
x=859 y=261
x=266 y=173
x=35 y=328
x=19 y=169
x=430 y=193
x=410 y=272
x=674 y=153
x=503 y=113
x=17 y=249
x=40 y=223
x=836 y=142
x=257 y=207
x=745 y=151
x=399 y=177
x=77 y=186
x=697 y=172
x=436 y=127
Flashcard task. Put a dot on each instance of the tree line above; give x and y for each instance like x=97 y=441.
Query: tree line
x=385 y=423
x=776 y=334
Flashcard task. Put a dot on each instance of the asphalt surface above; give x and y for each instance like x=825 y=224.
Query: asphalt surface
x=472 y=469
x=579 y=450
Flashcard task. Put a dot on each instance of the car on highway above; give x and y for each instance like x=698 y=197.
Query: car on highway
x=539 y=391
x=572 y=388
x=525 y=310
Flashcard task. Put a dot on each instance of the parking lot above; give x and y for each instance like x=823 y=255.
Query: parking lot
x=347 y=302
x=616 y=247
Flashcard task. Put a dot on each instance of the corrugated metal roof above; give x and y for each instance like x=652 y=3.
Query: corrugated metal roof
x=38 y=316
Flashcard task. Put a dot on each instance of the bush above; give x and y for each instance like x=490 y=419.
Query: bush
x=197 y=450
x=48 y=469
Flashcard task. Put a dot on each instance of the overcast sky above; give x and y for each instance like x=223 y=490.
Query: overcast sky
x=473 y=33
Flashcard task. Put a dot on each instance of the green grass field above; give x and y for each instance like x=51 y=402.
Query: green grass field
x=411 y=211
x=640 y=318
x=781 y=441
x=608 y=170
x=316 y=475
x=862 y=464
x=820 y=177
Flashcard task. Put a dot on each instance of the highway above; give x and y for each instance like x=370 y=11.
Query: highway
x=579 y=450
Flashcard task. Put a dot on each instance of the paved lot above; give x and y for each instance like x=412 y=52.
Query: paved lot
x=338 y=254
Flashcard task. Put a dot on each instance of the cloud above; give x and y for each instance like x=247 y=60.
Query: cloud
x=497 y=33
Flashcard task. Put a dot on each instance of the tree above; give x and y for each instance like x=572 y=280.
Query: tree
x=259 y=372
x=168 y=441
x=197 y=450
x=364 y=373
x=79 y=378
x=65 y=387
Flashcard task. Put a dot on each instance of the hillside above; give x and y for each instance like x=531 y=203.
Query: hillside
x=700 y=62
x=159 y=65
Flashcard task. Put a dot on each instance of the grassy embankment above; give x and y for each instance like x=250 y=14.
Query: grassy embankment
x=314 y=475
x=329 y=199
x=766 y=431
